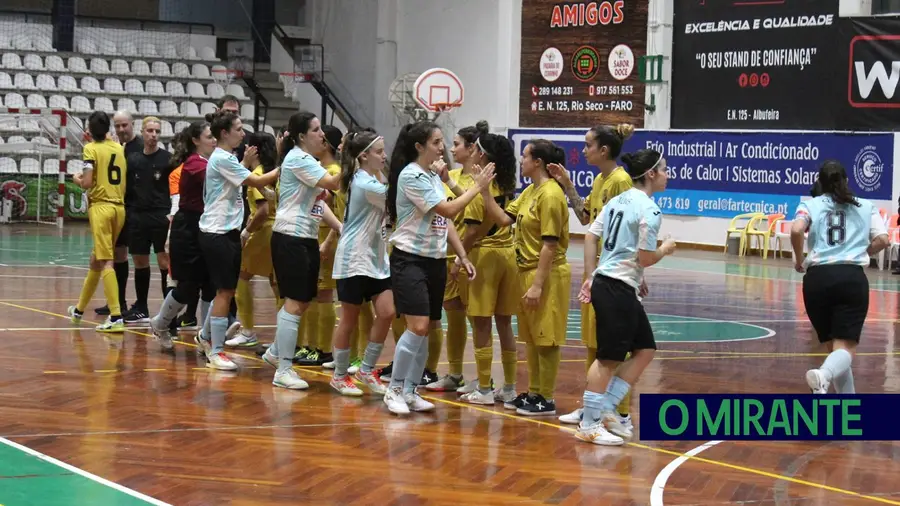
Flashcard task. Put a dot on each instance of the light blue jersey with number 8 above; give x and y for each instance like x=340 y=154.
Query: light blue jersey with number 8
x=839 y=233
x=627 y=224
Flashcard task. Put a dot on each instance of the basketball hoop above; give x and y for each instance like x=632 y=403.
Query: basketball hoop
x=292 y=81
x=225 y=76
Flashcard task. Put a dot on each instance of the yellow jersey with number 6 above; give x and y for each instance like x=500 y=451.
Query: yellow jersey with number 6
x=107 y=160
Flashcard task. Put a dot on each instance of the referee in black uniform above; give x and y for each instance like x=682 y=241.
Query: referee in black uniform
x=149 y=206
x=124 y=125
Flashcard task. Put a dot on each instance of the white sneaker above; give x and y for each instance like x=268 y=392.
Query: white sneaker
x=468 y=387
x=476 y=397
x=417 y=403
x=354 y=366
x=73 y=315
x=371 y=381
x=221 y=362
x=270 y=357
x=243 y=340
x=596 y=433
x=289 y=379
x=504 y=396
x=573 y=418
x=329 y=365
x=203 y=346
x=447 y=383
x=345 y=386
x=232 y=330
x=161 y=334
x=626 y=422
x=395 y=402
x=815 y=378
x=613 y=424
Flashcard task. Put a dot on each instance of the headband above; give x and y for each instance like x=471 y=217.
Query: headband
x=478 y=143
x=635 y=178
x=371 y=144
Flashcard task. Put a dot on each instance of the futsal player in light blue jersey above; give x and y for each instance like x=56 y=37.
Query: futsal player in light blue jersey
x=421 y=214
x=220 y=228
x=844 y=232
x=362 y=270
x=295 y=238
x=629 y=226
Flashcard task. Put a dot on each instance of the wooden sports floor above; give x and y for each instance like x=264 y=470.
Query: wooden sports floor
x=88 y=419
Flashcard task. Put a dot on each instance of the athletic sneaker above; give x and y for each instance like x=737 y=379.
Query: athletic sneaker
x=612 y=422
x=301 y=353
x=187 y=322
x=221 y=362
x=395 y=401
x=817 y=382
x=137 y=315
x=504 y=395
x=289 y=379
x=470 y=387
x=428 y=376
x=417 y=403
x=330 y=365
x=270 y=357
x=573 y=418
x=448 y=383
x=312 y=358
x=385 y=373
x=371 y=381
x=111 y=326
x=74 y=315
x=538 y=406
x=163 y=335
x=345 y=386
x=521 y=400
x=243 y=340
x=596 y=433
x=204 y=347
x=355 y=364
x=232 y=330
x=479 y=397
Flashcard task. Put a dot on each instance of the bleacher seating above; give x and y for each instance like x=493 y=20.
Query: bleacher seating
x=178 y=83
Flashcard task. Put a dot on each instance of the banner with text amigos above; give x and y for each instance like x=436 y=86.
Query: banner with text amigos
x=870 y=57
x=742 y=64
x=721 y=174
x=579 y=62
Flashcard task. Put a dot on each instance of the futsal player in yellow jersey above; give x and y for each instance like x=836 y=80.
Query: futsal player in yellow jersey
x=495 y=290
x=104 y=179
x=256 y=254
x=541 y=240
x=602 y=146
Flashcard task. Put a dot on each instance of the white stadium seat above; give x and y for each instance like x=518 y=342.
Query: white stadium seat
x=207 y=108
x=14 y=100
x=208 y=53
x=11 y=61
x=168 y=108
x=126 y=104
x=55 y=63
x=4 y=42
x=181 y=125
x=24 y=82
x=168 y=51
x=195 y=90
x=58 y=102
x=80 y=104
x=74 y=167
x=129 y=49
x=200 y=71
x=21 y=42
x=140 y=68
x=149 y=50
x=134 y=87
x=160 y=69
x=148 y=108
x=190 y=110
x=215 y=91
x=51 y=166
x=153 y=88
x=29 y=165
x=108 y=47
x=42 y=43
x=236 y=90
x=119 y=67
x=67 y=83
x=36 y=101
x=87 y=46
x=90 y=85
x=6 y=81
x=104 y=104
x=46 y=82
x=33 y=62
x=113 y=85
x=175 y=89
x=180 y=70
x=165 y=128
x=99 y=66
x=8 y=166
x=76 y=64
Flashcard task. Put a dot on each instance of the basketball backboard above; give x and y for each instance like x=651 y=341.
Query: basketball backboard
x=439 y=89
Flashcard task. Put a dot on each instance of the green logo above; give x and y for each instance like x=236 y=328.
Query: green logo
x=585 y=63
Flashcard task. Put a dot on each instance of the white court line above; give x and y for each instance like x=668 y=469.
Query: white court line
x=85 y=474
x=795 y=281
x=659 y=484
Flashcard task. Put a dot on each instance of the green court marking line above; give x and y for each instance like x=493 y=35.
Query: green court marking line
x=32 y=478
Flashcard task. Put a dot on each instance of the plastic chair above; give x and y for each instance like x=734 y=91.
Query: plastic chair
x=733 y=228
x=763 y=234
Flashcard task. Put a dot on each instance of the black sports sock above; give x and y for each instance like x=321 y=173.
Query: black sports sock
x=121 y=269
x=232 y=311
x=165 y=281
x=191 y=311
x=141 y=286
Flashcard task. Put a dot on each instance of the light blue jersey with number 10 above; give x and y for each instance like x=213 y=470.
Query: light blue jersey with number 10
x=627 y=224
x=839 y=233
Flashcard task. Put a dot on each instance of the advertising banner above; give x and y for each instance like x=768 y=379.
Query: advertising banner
x=742 y=64
x=580 y=62
x=871 y=60
x=30 y=194
x=722 y=174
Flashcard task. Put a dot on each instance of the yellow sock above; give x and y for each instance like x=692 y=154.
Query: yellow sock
x=366 y=320
x=327 y=318
x=243 y=297
x=589 y=359
x=90 y=286
x=398 y=327
x=279 y=302
x=510 y=363
x=624 y=407
x=110 y=289
x=483 y=359
x=307 y=329
x=456 y=340
x=548 y=356
x=534 y=369
x=435 y=342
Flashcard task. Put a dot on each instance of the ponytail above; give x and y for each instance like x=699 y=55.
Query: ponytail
x=183 y=142
x=404 y=154
x=355 y=143
x=833 y=181
x=298 y=124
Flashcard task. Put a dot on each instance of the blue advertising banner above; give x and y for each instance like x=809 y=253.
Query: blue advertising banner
x=719 y=174
x=770 y=417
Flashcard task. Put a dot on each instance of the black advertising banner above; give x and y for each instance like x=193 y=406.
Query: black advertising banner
x=870 y=60
x=579 y=64
x=752 y=64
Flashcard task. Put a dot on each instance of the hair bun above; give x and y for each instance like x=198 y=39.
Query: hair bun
x=482 y=127
x=624 y=130
x=627 y=159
